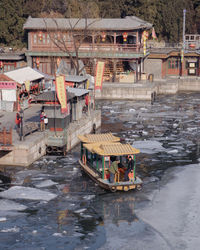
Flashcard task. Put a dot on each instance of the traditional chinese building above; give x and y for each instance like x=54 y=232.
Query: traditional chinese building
x=11 y=61
x=118 y=42
x=175 y=61
x=8 y=93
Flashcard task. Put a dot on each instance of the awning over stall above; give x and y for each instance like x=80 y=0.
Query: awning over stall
x=24 y=74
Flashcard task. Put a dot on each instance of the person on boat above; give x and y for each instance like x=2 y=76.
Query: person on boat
x=129 y=168
x=113 y=168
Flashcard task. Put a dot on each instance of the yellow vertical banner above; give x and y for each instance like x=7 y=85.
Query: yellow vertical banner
x=61 y=93
x=99 y=75
x=87 y=84
x=27 y=86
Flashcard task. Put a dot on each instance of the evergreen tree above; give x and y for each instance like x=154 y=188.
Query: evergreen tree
x=11 y=22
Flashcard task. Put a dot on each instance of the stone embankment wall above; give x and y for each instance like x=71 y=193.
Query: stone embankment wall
x=146 y=90
x=26 y=152
x=83 y=126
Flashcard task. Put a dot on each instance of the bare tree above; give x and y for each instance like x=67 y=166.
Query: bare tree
x=70 y=38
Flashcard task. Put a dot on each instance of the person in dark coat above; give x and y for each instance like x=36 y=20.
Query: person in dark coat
x=129 y=168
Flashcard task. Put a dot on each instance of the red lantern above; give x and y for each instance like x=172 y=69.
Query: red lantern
x=1 y=64
x=40 y=36
x=125 y=35
x=103 y=36
x=37 y=62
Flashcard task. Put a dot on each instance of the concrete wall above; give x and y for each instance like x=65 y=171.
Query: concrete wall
x=189 y=84
x=116 y=91
x=153 y=66
x=26 y=152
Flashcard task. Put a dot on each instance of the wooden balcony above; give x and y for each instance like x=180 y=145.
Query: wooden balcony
x=128 y=51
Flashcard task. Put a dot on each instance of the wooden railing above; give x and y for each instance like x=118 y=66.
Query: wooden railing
x=92 y=48
x=6 y=136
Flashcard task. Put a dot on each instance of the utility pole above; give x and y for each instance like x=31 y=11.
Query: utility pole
x=183 y=46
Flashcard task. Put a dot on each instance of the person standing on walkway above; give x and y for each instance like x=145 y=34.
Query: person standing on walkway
x=42 y=117
x=17 y=122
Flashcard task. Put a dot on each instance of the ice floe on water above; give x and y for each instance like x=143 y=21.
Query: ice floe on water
x=6 y=205
x=46 y=183
x=22 y=175
x=2 y=219
x=173 y=151
x=80 y=210
x=149 y=147
x=10 y=230
x=27 y=193
x=89 y=197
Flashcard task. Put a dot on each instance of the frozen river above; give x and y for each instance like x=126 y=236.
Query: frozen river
x=52 y=205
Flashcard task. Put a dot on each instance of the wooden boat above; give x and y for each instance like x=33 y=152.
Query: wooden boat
x=95 y=161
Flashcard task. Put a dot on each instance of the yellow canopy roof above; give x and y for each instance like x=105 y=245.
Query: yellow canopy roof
x=91 y=146
x=115 y=149
x=95 y=138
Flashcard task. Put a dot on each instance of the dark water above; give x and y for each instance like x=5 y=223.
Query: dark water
x=83 y=216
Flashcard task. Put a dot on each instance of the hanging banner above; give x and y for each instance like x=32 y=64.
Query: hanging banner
x=87 y=84
x=145 y=35
x=61 y=93
x=27 y=85
x=99 y=75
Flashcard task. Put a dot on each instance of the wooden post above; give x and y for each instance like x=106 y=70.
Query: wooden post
x=10 y=141
x=114 y=71
x=103 y=164
x=136 y=70
x=134 y=168
x=4 y=136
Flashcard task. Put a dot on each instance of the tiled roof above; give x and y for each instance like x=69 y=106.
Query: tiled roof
x=78 y=91
x=12 y=56
x=93 y=138
x=50 y=96
x=22 y=75
x=127 y=23
x=76 y=78
x=5 y=78
x=116 y=149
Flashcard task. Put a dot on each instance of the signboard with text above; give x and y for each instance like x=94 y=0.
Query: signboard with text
x=8 y=85
x=99 y=75
x=61 y=93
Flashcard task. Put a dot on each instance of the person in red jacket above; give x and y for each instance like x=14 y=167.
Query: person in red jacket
x=17 y=122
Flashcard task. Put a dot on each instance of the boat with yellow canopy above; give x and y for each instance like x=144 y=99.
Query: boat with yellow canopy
x=97 y=152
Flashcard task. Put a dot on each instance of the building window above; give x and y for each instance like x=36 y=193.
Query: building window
x=44 y=38
x=48 y=39
x=173 y=64
x=34 y=38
